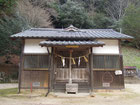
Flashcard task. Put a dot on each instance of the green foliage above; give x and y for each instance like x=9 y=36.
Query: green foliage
x=131 y=24
x=7 y=92
x=71 y=13
x=4 y=78
x=7 y=6
x=62 y=1
x=99 y=5
x=101 y=21
x=76 y=13
x=8 y=27
x=7 y=78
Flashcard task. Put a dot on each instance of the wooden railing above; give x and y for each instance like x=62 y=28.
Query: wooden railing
x=78 y=74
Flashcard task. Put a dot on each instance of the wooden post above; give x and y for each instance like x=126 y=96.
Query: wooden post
x=121 y=64
x=120 y=50
x=52 y=69
x=91 y=68
x=21 y=66
x=70 y=77
x=121 y=61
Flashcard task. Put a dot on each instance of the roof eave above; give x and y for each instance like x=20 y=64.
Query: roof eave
x=70 y=45
x=13 y=37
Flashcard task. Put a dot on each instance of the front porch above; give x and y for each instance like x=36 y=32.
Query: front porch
x=71 y=65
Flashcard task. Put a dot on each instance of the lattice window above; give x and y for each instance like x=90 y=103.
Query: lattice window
x=36 y=62
x=106 y=61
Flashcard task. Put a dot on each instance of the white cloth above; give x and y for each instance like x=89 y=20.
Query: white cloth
x=79 y=60
x=63 y=61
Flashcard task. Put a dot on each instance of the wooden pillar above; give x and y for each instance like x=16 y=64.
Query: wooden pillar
x=120 y=49
x=121 y=66
x=91 y=68
x=52 y=70
x=121 y=61
x=70 y=76
x=50 y=54
x=21 y=66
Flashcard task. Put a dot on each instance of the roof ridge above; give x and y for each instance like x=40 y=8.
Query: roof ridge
x=45 y=29
x=59 y=29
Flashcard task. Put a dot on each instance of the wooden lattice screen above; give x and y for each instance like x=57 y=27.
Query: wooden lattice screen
x=36 y=61
x=104 y=68
x=106 y=61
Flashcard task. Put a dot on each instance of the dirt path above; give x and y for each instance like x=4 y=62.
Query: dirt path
x=131 y=96
x=8 y=85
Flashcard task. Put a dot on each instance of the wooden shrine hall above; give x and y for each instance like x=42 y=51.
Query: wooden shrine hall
x=71 y=60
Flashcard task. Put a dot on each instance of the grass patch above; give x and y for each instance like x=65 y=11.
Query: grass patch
x=131 y=56
x=105 y=94
x=7 y=92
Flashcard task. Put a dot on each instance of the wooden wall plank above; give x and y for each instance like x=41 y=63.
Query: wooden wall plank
x=117 y=82
x=30 y=77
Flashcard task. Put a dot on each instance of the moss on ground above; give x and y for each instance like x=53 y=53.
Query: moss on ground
x=7 y=92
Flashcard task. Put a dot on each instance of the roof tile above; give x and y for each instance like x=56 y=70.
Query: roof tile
x=80 y=34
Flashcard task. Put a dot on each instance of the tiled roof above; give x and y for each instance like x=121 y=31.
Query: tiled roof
x=71 y=34
x=64 y=43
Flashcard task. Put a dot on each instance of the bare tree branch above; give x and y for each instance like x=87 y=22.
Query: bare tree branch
x=116 y=8
x=34 y=15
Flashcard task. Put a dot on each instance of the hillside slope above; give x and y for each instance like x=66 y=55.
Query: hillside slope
x=131 y=56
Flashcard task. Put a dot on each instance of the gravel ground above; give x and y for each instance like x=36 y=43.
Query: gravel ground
x=8 y=85
x=130 y=96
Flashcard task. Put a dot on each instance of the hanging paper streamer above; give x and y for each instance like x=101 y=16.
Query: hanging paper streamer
x=63 y=61
x=79 y=60
x=73 y=61
x=85 y=59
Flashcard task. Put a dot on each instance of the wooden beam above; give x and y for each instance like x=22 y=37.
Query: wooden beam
x=35 y=54
x=105 y=69
x=36 y=69
x=106 y=54
x=21 y=66
x=72 y=46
